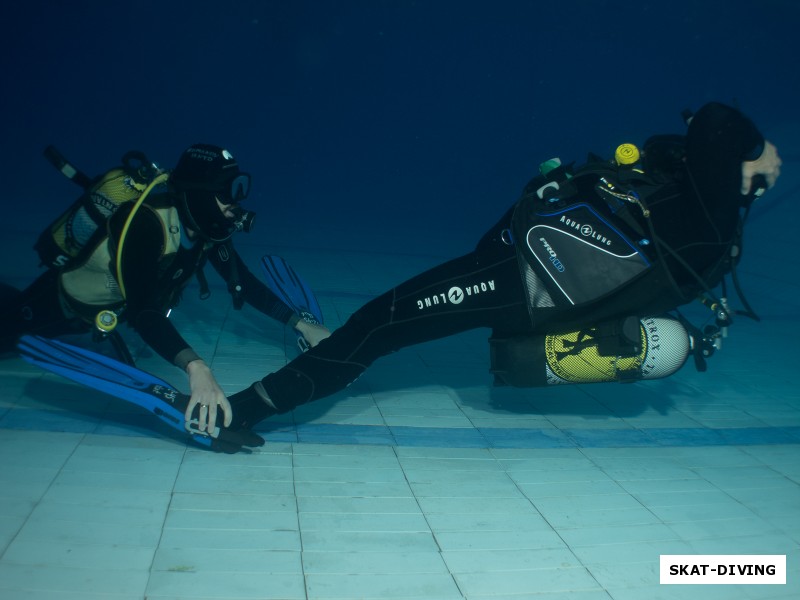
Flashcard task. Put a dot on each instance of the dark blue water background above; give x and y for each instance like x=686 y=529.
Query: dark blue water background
x=413 y=121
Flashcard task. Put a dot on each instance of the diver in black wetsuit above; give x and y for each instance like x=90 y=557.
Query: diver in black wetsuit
x=171 y=235
x=705 y=179
x=696 y=220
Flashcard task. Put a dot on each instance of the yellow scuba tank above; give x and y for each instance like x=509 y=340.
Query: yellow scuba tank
x=83 y=223
x=625 y=350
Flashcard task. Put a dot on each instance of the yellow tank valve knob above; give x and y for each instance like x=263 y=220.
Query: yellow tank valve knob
x=627 y=154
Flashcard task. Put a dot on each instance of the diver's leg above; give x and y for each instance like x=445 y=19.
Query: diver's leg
x=462 y=294
x=35 y=310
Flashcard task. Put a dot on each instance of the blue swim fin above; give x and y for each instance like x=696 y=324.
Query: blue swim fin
x=293 y=291
x=127 y=383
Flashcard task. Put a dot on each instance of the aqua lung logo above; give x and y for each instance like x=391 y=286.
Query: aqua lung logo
x=585 y=230
x=456 y=295
x=553 y=256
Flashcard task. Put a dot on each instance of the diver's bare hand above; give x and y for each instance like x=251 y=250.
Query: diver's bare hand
x=312 y=332
x=206 y=393
x=768 y=165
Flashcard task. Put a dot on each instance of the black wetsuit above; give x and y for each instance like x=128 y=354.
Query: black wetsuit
x=481 y=289
x=153 y=285
x=485 y=289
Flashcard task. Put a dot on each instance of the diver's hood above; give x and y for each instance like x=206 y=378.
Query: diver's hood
x=203 y=175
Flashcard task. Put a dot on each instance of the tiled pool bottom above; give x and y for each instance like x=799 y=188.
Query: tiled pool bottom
x=421 y=481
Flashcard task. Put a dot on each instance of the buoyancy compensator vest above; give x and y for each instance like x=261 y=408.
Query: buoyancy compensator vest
x=77 y=242
x=588 y=235
x=585 y=231
x=96 y=282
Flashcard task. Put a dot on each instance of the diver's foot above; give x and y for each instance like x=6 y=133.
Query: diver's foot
x=250 y=406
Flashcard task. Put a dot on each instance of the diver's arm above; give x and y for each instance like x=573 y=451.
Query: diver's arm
x=144 y=296
x=260 y=297
x=142 y=251
x=225 y=259
x=160 y=334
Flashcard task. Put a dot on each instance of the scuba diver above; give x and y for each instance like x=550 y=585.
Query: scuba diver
x=141 y=255
x=603 y=243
